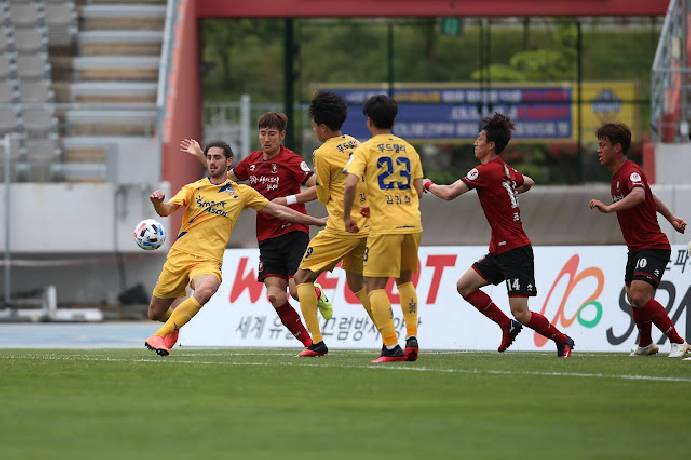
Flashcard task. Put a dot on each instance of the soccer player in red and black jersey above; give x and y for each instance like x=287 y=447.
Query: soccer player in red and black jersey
x=510 y=255
x=276 y=171
x=649 y=250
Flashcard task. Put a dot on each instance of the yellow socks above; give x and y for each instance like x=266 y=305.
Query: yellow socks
x=383 y=316
x=308 y=305
x=409 y=307
x=167 y=314
x=364 y=300
x=180 y=316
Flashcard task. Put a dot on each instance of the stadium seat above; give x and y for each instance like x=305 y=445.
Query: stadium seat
x=29 y=40
x=8 y=120
x=25 y=15
x=35 y=91
x=42 y=148
x=6 y=66
x=39 y=121
x=61 y=21
x=7 y=92
x=4 y=41
x=33 y=66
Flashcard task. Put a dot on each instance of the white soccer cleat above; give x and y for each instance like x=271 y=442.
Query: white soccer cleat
x=648 y=350
x=678 y=350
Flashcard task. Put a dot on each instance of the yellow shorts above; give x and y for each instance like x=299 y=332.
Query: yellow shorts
x=327 y=248
x=180 y=268
x=388 y=255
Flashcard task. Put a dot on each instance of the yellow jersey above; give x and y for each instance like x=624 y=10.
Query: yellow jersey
x=390 y=166
x=329 y=160
x=211 y=211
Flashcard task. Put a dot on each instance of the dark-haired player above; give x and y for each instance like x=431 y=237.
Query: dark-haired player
x=334 y=243
x=510 y=255
x=212 y=206
x=649 y=250
x=276 y=171
x=393 y=174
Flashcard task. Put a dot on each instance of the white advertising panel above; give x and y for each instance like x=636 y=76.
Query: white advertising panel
x=580 y=290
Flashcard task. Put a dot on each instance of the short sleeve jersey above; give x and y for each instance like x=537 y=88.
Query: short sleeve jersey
x=638 y=224
x=390 y=166
x=329 y=160
x=279 y=176
x=211 y=211
x=496 y=184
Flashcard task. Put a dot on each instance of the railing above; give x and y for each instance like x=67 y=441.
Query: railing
x=164 y=66
x=671 y=77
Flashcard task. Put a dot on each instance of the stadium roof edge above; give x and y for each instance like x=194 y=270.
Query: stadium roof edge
x=428 y=8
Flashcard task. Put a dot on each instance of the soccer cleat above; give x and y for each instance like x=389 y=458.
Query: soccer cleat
x=157 y=344
x=509 y=335
x=565 y=349
x=325 y=307
x=678 y=350
x=171 y=339
x=314 y=351
x=411 y=349
x=388 y=355
x=647 y=350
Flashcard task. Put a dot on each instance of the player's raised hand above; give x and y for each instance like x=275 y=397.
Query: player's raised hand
x=598 y=204
x=191 y=146
x=678 y=224
x=157 y=197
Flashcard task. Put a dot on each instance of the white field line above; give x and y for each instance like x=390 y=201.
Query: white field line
x=165 y=361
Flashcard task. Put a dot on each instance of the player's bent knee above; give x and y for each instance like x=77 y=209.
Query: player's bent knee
x=463 y=288
x=203 y=293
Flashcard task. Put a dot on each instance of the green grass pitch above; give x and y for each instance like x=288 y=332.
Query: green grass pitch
x=265 y=403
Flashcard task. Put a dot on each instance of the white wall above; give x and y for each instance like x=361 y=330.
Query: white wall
x=673 y=163
x=70 y=217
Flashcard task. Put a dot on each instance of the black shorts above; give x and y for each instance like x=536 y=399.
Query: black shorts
x=281 y=256
x=515 y=266
x=647 y=265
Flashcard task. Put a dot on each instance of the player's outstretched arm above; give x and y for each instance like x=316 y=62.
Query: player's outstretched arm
x=636 y=197
x=302 y=197
x=349 y=191
x=446 y=192
x=291 y=215
x=527 y=185
x=161 y=208
x=678 y=223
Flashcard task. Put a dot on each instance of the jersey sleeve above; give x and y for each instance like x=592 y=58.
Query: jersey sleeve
x=417 y=168
x=253 y=199
x=357 y=163
x=476 y=177
x=633 y=179
x=184 y=196
x=517 y=177
x=321 y=166
x=299 y=169
x=241 y=170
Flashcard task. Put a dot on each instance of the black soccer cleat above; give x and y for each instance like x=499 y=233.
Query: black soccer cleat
x=509 y=335
x=411 y=349
x=566 y=349
x=388 y=355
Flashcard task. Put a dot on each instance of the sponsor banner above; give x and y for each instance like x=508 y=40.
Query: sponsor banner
x=451 y=112
x=580 y=290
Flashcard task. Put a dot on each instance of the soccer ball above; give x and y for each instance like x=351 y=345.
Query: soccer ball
x=150 y=234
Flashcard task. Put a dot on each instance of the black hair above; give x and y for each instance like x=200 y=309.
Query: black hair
x=497 y=129
x=276 y=120
x=616 y=133
x=382 y=110
x=328 y=109
x=227 y=151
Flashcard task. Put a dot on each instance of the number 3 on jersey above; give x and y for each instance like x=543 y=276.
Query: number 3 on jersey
x=402 y=168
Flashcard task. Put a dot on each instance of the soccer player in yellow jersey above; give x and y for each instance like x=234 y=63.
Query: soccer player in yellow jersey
x=334 y=243
x=394 y=178
x=212 y=206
